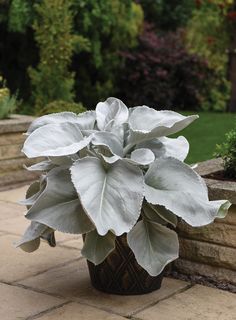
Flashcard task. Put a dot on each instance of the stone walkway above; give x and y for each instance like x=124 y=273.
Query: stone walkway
x=53 y=283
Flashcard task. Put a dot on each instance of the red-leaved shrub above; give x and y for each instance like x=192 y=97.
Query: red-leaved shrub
x=162 y=74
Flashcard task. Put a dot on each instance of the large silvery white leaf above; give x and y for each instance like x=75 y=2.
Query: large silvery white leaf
x=50 y=119
x=34 y=191
x=85 y=120
x=111 y=159
x=142 y=156
x=153 y=245
x=45 y=165
x=165 y=214
x=28 y=202
x=121 y=131
x=31 y=238
x=108 y=140
x=138 y=157
x=168 y=147
x=111 y=197
x=173 y=184
x=146 y=123
x=148 y=213
x=59 y=139
x=58 y=206
x=112 y=112
x=68 y=217
x=58 y=189
x=159 y=214
x=66 y=161
x=96 y=248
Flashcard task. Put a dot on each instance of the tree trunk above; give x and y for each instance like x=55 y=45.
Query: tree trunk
x=232 y=74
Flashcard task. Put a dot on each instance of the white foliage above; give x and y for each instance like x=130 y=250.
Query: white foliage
x=99 y=166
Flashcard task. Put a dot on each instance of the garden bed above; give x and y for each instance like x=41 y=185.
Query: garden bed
x=12 y=160
x=210 y=251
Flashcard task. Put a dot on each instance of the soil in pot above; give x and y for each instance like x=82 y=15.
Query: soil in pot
x=120 y=273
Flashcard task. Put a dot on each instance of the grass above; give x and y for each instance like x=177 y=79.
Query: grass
x=203 y=134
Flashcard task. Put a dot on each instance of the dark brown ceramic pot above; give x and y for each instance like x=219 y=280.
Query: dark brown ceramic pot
x=120 y=273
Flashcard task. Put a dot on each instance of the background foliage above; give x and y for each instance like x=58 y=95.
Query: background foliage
x=118 y=24
x=167 y=15
x=60 y=106
x=88 y=50
x=207 y=36
x=227 y=150
x=8 y=103
x=165 y=73
x=54 y=38
x=52 y=79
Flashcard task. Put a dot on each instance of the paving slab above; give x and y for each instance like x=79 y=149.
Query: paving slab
x=10 y=210
x=41 y=277
x=198 y=302
x=15 y=225
x=62 y=238
x=19 y=303
x=16 y=264
x=12 y=220
x=75 y=311
x=19 y=224
x=76 y=243
x=14 y=195
x=72 y=282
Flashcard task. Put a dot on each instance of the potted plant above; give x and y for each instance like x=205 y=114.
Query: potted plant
x=113 y=176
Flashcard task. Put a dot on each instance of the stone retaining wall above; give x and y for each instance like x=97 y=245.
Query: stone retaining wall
x=211 y=250
x=11 y=158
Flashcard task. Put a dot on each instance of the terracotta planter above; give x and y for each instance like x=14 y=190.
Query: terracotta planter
x=210 y=251
x=11 y=159
x=120 y=273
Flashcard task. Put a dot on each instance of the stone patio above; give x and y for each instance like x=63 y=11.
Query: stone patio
x=53 y=283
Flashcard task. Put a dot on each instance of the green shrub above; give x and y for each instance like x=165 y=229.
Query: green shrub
x=167 y=15
x=7 y=106
x=218 y=95
x=208 y=37
x=19 y=15
x=227 y=151
x=48 y=35
x=7 y=102
x=60 y=106
x=52 y=79
x=110 y=27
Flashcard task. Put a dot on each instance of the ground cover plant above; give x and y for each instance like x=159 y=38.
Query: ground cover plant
x=111 y=172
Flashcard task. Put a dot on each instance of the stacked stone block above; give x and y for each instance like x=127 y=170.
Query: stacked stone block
x=12 y=159
x=210 y=251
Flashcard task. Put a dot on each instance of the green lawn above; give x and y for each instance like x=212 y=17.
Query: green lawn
x=203 y=134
